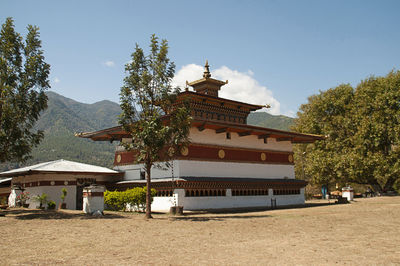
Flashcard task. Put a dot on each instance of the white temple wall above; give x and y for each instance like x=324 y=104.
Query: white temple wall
x=283 y=200
x=53 y=193
x=233 y=169
x=208 y=136
x=132 y=172
x=212 y=169
x=163 y=204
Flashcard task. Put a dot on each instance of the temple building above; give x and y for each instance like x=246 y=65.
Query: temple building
x=50 y=178
x=228 y=163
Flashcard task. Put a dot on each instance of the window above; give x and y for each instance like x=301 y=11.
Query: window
x=165 y=193
x=249 y=192
x=205 y=193
x=286 y=191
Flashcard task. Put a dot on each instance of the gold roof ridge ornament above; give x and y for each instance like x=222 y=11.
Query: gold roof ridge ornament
x=206 y=73
x=207 y=85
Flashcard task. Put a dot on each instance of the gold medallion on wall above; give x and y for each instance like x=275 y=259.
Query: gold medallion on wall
x=119 y=158
x=221 y=154
x=263 y=156
x=290 y=158
x=185 y=151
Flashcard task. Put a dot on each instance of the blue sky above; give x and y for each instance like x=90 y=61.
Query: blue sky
x=277 y=52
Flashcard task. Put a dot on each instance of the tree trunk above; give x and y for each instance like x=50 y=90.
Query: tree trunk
x=376 y=187
x=389 y=184
x=148 y=192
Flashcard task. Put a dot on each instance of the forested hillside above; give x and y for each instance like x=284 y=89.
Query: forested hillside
x=61 y=120
x=64 y=117
x=263 y=119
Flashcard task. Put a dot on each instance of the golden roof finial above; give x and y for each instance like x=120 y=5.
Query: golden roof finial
x=207 y=73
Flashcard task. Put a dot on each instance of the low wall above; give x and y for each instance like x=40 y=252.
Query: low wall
x=163 y=204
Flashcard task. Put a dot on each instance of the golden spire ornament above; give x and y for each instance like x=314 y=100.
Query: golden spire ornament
x=207 y=73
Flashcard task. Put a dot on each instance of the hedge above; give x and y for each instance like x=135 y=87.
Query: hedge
x=128 y=200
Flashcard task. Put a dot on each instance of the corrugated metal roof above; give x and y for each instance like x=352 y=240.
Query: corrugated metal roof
x=5 y=180
x=60 y=166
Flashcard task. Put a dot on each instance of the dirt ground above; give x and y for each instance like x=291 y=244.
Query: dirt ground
x=367 y=231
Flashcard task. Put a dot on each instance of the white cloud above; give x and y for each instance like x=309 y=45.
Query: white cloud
x=241 y=85
x=56 y=80
x=109 y=63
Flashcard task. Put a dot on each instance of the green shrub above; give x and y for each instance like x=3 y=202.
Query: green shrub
x=136 y=198
x=131 y=199
x=51 y=205
x=114 y=200
x=64 y=194
x=42 y=199
x=3 y=200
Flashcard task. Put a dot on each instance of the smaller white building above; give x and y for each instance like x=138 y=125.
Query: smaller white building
x=51 y=177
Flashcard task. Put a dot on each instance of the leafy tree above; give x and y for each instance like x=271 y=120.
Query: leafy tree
x=23 y=81
x=362 y=126
x=326 y=114
x=376 y=153
x=158 y=126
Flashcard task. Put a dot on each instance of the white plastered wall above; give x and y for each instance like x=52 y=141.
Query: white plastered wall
x=219 y=169
x=132 y=172
x=183 y=168
x=232 y=169
x=53 y=193
x=209 y=136
x=163 y=204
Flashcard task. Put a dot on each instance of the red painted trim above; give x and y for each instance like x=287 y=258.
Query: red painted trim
x=210 y=153
x=93 y=194
x=56 y=183
x=46 y=183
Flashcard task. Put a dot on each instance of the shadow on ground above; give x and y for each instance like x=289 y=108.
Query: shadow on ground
x=215 y=218
x=196 y=216
x=259 y=209
x=31 y=214
x=227 y=213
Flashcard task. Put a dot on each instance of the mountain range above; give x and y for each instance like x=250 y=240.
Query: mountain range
x=65 y=116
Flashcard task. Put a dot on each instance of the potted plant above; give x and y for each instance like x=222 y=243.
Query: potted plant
x=63 y=205
x=51 y=205
x=22 y=198
x=42 y=199
x=3 y=203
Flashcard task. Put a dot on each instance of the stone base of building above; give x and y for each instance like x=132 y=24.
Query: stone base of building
x=194 y=193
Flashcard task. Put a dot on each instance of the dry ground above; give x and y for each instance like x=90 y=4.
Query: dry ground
x=366 y=231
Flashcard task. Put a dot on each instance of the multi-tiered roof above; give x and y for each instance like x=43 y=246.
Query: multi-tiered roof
x=209 y=111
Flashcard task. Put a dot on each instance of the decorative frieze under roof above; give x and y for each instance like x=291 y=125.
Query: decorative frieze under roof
x=205 y=103
x=117 y=133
